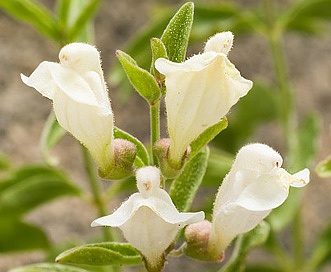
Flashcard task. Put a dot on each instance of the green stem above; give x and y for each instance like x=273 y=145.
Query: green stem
x=298 y=240
x=287 y=114
x=94 y=182
x=286 y=103
x=155 y=128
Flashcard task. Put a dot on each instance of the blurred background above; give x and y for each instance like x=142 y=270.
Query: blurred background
x=23 y=111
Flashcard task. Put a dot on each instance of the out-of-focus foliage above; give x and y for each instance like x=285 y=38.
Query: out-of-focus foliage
x=21 y=191
x=24 y=189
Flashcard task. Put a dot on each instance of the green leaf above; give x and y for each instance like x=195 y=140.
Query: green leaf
x=45 y=267
x=185 y=186
x=87 y=11
x=17 y=236
x=30 y=187
x=304 y=149
x=142 y=158
x=158 y=51
x=100 y=254
x=208 y=135
x=244 y=244
x=323 y=168
x=52 y=133
x=34 y=14
x=63 y=11
x=176 y=35
x=321 y=253
x=208 y=20
x=144 y=83
x=306 y=15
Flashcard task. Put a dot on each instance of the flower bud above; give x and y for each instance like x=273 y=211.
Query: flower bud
x=168 y=168
x=220 y=43
x=196 y=237
x=124 y=156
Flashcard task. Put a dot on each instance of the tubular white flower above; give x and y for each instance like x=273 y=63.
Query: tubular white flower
x=148 y=219
x=200 y=91
x=80 y=98
x=255 y=185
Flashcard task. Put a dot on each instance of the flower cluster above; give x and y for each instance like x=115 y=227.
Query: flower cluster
x=199 y=93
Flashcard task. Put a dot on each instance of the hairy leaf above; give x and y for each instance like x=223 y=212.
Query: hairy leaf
x=101 y=254
x=185 y=186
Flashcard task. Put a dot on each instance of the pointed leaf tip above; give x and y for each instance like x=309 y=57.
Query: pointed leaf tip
x=176 y=35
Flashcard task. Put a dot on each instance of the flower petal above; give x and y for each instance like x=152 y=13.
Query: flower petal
x=120 y=216
x=88 y=124
x=41 y=79
x=148 y=233
x=300 y=178
x=49 y=78
x=262 y=194
x=200 y=92
x=162 y=205
x=81 y=57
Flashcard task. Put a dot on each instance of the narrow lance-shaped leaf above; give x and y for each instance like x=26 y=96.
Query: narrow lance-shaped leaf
x=142 y=158
x=244 y=244
x=32 y=186
x=306 y=16
x=86 y=14
x=208 y=135
x=33 y=14
x=101 y=254
x=304 y=150
x=185 y=186
x=48 y=267
x=176 y=35
x=144 y=83
x=62 y=10
x=158 y=51
x=18 y=236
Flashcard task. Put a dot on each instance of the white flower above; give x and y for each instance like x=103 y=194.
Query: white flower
x=148 y=219
x=80 y=98
x=255 y=185
x=200 y=91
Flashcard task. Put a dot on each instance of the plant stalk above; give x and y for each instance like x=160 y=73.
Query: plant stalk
x=94 y=182
x=155 y=128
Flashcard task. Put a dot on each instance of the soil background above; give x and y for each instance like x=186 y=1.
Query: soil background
x=23 y=112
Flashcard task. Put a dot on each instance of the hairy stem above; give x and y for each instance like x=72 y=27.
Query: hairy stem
x=155 y=128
